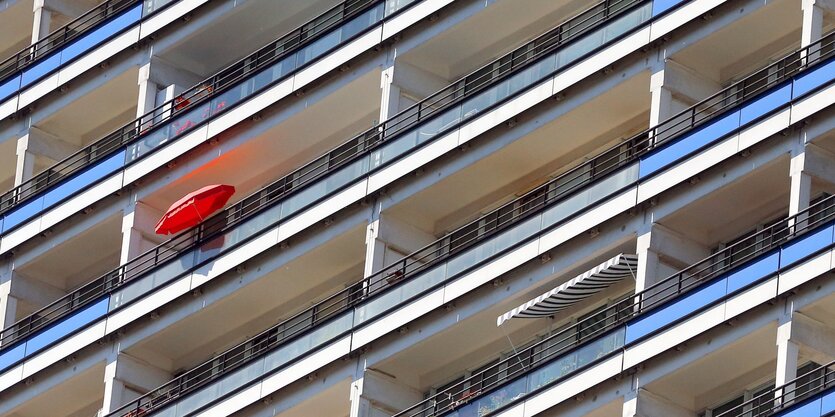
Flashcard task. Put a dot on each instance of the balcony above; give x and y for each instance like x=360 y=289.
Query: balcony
x=421 y=272
x=96 y=309
x=127 y=147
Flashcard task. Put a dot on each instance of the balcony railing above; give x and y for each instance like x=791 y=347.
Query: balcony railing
x=253 y=214
x=589 y=341
x=194 y=107
x=442 y=261
x=62 y=36
x=793 y=393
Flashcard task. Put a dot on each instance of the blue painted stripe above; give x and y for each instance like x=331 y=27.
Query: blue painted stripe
x=22 y=213
x=805 y=246
x=813 y=78
x=661 y=6
x=688 y=143
x=37 y=71
x=10 y=87
x=765 y=103
x=67 y=326
x=92 y=39
x=84 y=179
x=675 y=310
x=810 y=409
x=12 y=356
x=752 y=272
x=828 y=403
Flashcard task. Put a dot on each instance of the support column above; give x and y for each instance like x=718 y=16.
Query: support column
x=42 y=20
x=159 y=82
x=8 y=303
x=374 y=394
x=44 y=11
x=138 y=223
x=674 y=87
x=18 y=290
x=787 y=356
x=37 y=142
x=403 y=85
x=126 y=378
x=800 y=193
x=662 y=252
x=389 y=239
x=808 y=161
x=643 y=403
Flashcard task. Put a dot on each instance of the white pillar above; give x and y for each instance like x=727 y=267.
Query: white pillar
x=126 y=378
x=138 y=223
x=646 y=273
x=787 y=355
x=390 y=101
x=643 y=403
x=37 y=142
x=662 y=252
x=42 y=20
x=812 y=28
x=374 y=394
x=8 y=304
x=25 y=168
x=800 y=193
x=673 y=88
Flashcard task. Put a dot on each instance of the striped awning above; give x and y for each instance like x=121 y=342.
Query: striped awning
x=575 y=290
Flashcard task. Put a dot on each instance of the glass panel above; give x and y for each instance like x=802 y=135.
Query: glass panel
x=141 y=286
x=577 y=359
x=400 y=293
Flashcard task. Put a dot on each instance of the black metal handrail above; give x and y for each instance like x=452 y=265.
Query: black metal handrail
x=189 y=99
x=62 y=36
x=613 y=317
x=793 y=392
x=427 y=257
x=212 y=227
x=572 y=180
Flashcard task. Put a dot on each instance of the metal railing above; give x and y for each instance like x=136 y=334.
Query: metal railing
x=62 y=36
x=793 y=392
x=190 y=99
x=553 y=191
x=208 y=230
x=614 y=317
x=490 y=224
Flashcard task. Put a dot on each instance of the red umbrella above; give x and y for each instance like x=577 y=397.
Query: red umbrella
x=190 y=210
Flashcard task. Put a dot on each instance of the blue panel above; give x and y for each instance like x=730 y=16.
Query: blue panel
x=660 y=6
x=688 y=144
x=11 y=356
x=9 y=87
x=810 y=409
x=828 y=403
x=805 y=246
x=753 y=272
x=814 y=78
x=674 y=311
x=22 y=213
x=765 y=104
x=37 y=71
x=84 y=179
x=102 y=33
x=67 y=326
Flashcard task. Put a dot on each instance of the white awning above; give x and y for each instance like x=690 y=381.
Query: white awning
x=575 y=290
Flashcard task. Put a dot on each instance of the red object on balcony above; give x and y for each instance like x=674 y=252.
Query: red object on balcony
x=190 y=210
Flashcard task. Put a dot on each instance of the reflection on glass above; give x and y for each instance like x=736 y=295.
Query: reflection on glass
x=138 y=287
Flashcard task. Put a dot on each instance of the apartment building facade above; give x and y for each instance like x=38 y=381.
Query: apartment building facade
x=442 y=208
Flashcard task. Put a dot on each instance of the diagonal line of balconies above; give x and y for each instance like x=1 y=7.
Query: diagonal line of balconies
x=512 y=225
x=194 y=108
x=70 y=42
x=287 y=196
